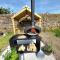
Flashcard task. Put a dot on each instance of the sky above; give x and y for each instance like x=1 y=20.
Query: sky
x=41 y=6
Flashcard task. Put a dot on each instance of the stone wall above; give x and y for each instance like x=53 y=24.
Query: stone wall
x=49 y=21
x=5 y=22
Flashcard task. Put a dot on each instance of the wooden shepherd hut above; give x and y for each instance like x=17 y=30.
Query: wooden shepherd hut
x=22 y=20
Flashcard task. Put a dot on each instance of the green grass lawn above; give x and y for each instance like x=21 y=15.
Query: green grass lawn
x=56 y=32
x=4 y=40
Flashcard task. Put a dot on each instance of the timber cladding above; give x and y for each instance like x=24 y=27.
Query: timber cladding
x=49 y=21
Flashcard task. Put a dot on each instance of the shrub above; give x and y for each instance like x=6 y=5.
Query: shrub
x=11 y=56
x=57 y=32
x=47 y=49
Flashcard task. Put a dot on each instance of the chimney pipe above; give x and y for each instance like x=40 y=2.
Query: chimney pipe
x=32 y=12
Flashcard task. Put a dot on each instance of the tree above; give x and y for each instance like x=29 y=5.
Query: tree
x=5 y=10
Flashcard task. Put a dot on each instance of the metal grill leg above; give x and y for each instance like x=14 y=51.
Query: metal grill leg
x=21 y=56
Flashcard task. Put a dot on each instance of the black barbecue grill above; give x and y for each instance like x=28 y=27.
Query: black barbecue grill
x=30 y=41
x=34 y=41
